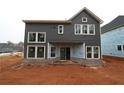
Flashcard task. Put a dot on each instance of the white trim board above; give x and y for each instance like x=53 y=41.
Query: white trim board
x=36 y=39
x=93 y=52
x=62 y=29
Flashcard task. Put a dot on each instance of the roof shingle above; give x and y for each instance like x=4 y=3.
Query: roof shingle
x=117 y=22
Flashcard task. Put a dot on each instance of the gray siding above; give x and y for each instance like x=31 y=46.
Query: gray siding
x=68 y=36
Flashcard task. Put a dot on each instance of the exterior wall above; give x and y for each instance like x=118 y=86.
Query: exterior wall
x=49 y=51
x=110 y=40
x=68 y=36
x=78 y=51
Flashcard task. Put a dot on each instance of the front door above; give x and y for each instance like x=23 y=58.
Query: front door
x=65 y=53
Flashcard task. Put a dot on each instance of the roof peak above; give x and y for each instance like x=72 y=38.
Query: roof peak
x=64 y=21
x=91 y=13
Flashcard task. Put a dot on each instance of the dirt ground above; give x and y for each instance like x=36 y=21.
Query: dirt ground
x=11 y=73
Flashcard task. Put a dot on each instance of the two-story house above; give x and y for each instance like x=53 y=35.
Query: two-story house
x=75 y=39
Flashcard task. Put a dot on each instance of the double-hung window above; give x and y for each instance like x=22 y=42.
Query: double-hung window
x=32 y=37
x=84 y=29
x=36 y=37
x=91 y=29
x=60 y=29
x=77 y=29
x=53 y=51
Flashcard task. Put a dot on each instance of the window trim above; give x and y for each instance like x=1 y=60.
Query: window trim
x=93 y=52
x=82 y=30
x=36 y=39
x=59 y=29
x=85 y=18
x=36 y=46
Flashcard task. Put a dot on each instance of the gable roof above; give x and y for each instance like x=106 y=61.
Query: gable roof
x=117 y=22
x=64 y=21
x=91 y=13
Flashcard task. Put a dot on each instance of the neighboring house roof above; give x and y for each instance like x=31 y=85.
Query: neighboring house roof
x=65 y=21
x=117 y=22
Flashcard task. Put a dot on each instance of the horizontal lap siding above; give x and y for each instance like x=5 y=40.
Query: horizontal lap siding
x=68 y=36
x=110 y=40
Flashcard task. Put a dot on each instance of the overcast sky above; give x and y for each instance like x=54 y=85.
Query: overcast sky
x=12 y=12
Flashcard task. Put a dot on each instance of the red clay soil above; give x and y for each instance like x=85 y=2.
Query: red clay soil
x=8 y=61
x=111 y=73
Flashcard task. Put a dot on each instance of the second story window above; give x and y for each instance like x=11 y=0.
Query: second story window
x=60 y=29
x=77 y=29
x=91 y=29
x=36 y=37
x=41 y=37
x=84 y=29
x=32 y=37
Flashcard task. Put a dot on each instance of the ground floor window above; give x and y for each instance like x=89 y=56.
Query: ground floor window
x=53 y=51
x=92 y=52
x=36 y=52
x=120 y=47
x=31 y=51
x=40 y=52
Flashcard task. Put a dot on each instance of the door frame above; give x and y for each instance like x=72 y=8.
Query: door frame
x=65 y=58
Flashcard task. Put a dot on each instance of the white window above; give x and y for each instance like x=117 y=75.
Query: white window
x=31 y=52
x=91 y=29
x=84 y=29
x=32 y=37
x=84 y=19
x=77 y=29
x=60 y=29
x=36 y=37
x=36 y=52
x=92 y=52
x=53 y=51
x=40 y=52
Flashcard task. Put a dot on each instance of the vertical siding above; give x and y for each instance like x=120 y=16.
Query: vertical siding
x=110 y=40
